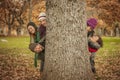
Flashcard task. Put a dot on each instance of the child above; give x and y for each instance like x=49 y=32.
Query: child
x=34 y=37
x=38 y=48
x=38 y=32
x=32 y=29
x=94 y=43
x=91 y=24
x=42 y=33
x=39 y=36
x=42 y=27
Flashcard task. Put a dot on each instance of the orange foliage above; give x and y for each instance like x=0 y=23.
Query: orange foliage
x=108 y=10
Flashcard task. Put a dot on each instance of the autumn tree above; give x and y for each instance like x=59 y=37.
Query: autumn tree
x=110 y=14
x=108 y=11
x=8 y=18
x=111 y=11
x=66 y=56
x=12 y=11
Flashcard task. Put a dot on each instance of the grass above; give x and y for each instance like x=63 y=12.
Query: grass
x=16 y=60
x=110 y=48
x=107 y=59
x=20 y=45
x=14 y=45
x=13 y=42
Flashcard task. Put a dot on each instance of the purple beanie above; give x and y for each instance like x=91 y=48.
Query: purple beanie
x=92 y=22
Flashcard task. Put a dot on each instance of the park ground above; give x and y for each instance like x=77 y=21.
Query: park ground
x=16 y=60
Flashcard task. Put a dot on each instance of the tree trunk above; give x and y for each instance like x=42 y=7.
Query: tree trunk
x=100 y=31
x=66 y=56
x=30 y=10
x=105 y=32
x=111 y=33
x=9 y=25
x=9 y=30
x=117 y=32
x=10 y=21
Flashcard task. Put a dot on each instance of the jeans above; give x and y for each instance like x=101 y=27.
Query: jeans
x=92 y=62
x=41 y=56
x=42 y=66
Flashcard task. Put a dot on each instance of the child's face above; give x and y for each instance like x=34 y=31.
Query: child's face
x=31 y=29
x=43 y=22
x=88 y=28
x=38 y=48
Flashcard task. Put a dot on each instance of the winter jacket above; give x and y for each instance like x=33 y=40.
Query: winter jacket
x=93 y=46
x=42 y=31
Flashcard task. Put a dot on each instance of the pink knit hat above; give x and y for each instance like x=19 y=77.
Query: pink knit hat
x=92 y=22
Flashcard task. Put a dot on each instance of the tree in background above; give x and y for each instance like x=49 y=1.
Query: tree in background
x=21 y=11
x=108 y=11
x=66 y=56
x=6 y=16
x=13 y=11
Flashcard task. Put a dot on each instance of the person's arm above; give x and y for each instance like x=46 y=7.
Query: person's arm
x=93 y=44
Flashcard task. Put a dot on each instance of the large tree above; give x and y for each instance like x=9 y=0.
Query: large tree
x=108 y=10
x=12 y=10
x=66 y=56
x=6 y=16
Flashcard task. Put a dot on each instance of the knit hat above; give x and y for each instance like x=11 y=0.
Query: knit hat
x=33 y=25
x=92 y=22
x=42 y=16
x=32 y=46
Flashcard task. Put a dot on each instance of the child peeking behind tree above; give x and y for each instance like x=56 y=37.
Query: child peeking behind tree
x=38 y=48
x=91 y=24
x=94 y=43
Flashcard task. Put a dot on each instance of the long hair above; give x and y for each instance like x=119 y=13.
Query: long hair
x=33 y=25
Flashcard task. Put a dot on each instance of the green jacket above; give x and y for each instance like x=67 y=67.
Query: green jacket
x=35 y=39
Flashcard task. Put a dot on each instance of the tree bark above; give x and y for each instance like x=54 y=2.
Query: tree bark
x=117 y=32
x=30 y=10
x=66 y=56
x=9 y=30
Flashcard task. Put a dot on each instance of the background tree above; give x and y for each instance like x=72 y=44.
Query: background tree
x=107 y=11
x=20 y=11
x=66 y=56
x=12 y=12
x=8 y=18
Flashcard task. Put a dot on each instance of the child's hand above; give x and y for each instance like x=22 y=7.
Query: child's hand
x=91 y=38
x=39 y=48
x=95 y=38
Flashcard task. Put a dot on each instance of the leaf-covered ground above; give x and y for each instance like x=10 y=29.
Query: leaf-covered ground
x=108 y=60
x=108 y=69
x=18 y=67
x=16 y=61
